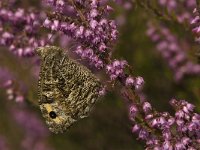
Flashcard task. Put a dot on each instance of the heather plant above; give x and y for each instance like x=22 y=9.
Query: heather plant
x=20 y=30
x=173 y=51
x=124 y=59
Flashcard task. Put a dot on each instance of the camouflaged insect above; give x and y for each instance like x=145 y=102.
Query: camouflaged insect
x=67 y=90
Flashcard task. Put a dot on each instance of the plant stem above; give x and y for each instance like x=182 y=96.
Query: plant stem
x=198 y=6
x=80 y=13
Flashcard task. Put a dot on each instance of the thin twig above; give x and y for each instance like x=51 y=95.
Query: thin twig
x=198 y=6
x=80 y=13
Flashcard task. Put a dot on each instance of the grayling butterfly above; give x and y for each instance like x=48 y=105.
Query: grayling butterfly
x=67 y=90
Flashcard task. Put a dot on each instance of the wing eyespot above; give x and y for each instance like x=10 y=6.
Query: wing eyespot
x=52 y=114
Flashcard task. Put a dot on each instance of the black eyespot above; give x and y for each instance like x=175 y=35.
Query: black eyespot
x=52 y=114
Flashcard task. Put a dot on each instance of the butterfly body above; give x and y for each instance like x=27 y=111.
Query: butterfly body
x=67 y=90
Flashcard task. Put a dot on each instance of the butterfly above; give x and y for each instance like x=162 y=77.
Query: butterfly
x=67 y=90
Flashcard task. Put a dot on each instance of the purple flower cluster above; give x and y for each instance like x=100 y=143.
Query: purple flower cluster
x=174 y=53
x=20 y=30
x=34 y=129
x=161 y=131
x=94 y=34
x=195 y=23
x=3 y=143
x=87 y=23
x=116 y=69
x=13 y=93
x=88 y=53
x=93 y=31
x=58 y=4
x=182 y=9
x=126 y=4
x=13 y=90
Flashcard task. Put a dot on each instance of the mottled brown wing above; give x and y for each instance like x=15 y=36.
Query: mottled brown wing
x=67 y=90
x=80 y=85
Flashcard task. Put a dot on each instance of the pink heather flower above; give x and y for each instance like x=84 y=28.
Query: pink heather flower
x=185 y=140
x=149 y=116
x=19 y=98
x=93 y=13
x=102 y=47
x=179 y=146
x=167 y=145
x=180 y=114
x=133 y=111
x=139 y=82
x=129 y=81
x=8 y=83
x=147 y=107
x=93 y=24
x=195 y=20
x=60 y=3
x=115 y=69
x=167 y=134
x=102 y=91
x=109 y=8
x=116 y=64
x=135 y=128
x=171 y=121
x=143 y=134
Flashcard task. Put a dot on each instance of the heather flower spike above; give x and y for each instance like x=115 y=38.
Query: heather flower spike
x=68 y=90
x=175 y=54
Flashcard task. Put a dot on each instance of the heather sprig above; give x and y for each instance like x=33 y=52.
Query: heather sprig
x=95 y=36
x=195 y=23
x=92 y=30
x=170 y=11
x=35 y=132
x=181 y=9
x=173 y=52
x=20 y=30
x=13 y=89
x=89 y=24
x=153 y=127
x=160 y=130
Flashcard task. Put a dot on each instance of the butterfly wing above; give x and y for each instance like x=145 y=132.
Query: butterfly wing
x=80 y=85
x=66 y=89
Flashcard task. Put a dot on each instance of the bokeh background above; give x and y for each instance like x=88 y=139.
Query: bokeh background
x=108 y=127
